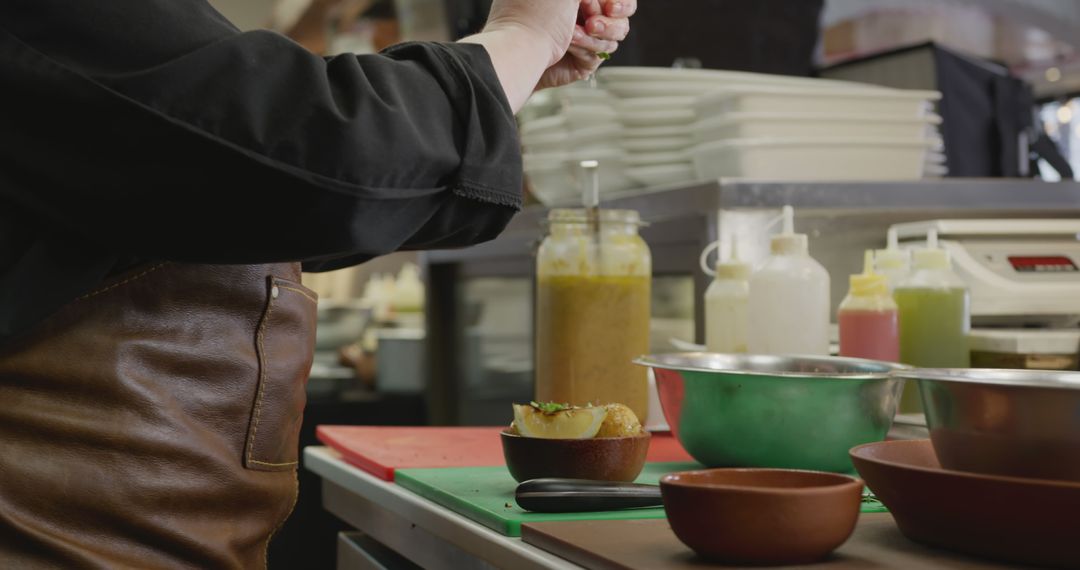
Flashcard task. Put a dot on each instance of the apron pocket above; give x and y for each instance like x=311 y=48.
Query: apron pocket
x=286 y=343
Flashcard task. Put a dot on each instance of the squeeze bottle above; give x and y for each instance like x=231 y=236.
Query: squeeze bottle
x=408 y=294
x=726 y=303
x=868 y=317
x=935 y=316
x=789 y=298
x=892 y=262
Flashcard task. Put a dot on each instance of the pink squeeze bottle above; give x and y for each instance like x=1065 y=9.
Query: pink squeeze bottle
x=869 y=326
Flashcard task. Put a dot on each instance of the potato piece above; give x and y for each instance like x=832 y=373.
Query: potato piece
x=620 y=422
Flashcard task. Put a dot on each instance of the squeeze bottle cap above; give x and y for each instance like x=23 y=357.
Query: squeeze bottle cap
x=892 y=257
x=931 y=257
x=733 y=268
x=868 y=283
x=788 y=242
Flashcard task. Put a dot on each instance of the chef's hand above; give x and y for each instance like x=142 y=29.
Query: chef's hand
x=546 y=43
x=601 y=25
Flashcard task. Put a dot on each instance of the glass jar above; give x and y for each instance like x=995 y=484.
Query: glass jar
x=592 y=310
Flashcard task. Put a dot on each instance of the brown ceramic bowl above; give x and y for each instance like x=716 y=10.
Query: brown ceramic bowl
x=599 y=458
x=762 y=516
x=1027 y=521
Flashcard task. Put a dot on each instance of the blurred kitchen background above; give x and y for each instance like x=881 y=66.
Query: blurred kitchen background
x=890 y=41
x=446 y=337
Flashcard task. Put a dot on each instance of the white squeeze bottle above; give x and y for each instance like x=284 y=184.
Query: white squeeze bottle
x=789 y=298
x=726 y=305
x=892 y=262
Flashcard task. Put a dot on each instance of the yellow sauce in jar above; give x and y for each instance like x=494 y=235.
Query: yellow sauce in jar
x=589 y=329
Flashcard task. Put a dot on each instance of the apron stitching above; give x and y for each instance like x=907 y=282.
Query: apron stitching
x=301 y=291
x=255 y=423
x=124 y=282
x=250 y=460
x=262 y=382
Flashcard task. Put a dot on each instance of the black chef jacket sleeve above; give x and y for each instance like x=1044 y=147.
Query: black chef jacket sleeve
x=159 y=130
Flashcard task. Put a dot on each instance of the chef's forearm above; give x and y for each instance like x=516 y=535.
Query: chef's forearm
x=519 y=58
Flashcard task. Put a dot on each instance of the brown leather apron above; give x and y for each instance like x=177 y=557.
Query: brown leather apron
x=153 y=423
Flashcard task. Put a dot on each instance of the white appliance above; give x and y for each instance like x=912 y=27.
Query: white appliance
x=1024 y=278
x=1021 y=273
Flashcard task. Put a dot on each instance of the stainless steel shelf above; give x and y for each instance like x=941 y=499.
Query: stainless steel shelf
x=972 y=196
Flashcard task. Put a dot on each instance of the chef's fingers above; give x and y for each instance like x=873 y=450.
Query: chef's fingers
x=589 y=9
x=595 y=45
x=586 y=61
x=619 y=8
x=578 y=63
x=608 y=28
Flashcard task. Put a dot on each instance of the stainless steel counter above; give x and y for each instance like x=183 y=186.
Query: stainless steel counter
x=423 y=532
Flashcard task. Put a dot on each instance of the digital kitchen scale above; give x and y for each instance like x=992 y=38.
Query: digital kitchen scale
x=1021 y=273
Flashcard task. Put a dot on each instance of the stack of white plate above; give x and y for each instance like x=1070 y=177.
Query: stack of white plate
x=657 y=135
x=585 y=126
x=658 y=127
x=557 y=179
x=754 y=125
x=633 y=82
x=857 y=101
x=750 y=125
x=935 y=166
x=797 y=133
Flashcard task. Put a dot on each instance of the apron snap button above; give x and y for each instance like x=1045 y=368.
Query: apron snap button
x=274 y=292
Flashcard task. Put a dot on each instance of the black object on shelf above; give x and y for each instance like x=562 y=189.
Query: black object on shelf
x=766 y=36
x=988 y=126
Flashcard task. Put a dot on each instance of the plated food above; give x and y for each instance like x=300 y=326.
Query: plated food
x=562 y=421
x=603 y=443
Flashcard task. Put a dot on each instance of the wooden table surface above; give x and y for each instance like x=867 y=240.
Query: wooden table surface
x=434 y=537
x=650 y=545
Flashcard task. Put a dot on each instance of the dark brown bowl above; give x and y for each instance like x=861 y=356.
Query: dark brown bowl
x=1028 y=521
x=599 y=458
x=762 y=516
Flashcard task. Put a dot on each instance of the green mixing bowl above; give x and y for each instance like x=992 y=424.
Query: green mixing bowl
x=775 y=411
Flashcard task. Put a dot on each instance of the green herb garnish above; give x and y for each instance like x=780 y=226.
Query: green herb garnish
x=603 y=55
x=549 y=408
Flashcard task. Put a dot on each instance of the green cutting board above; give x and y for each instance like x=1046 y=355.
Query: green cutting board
x=486 y=495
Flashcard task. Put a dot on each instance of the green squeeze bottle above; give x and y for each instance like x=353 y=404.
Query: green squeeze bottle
x=935 y=317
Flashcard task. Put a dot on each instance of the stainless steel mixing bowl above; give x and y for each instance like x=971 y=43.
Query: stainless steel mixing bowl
x=1024 y=423
x=775 y=411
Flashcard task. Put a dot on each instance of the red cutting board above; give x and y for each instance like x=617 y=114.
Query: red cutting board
x=380 y=450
